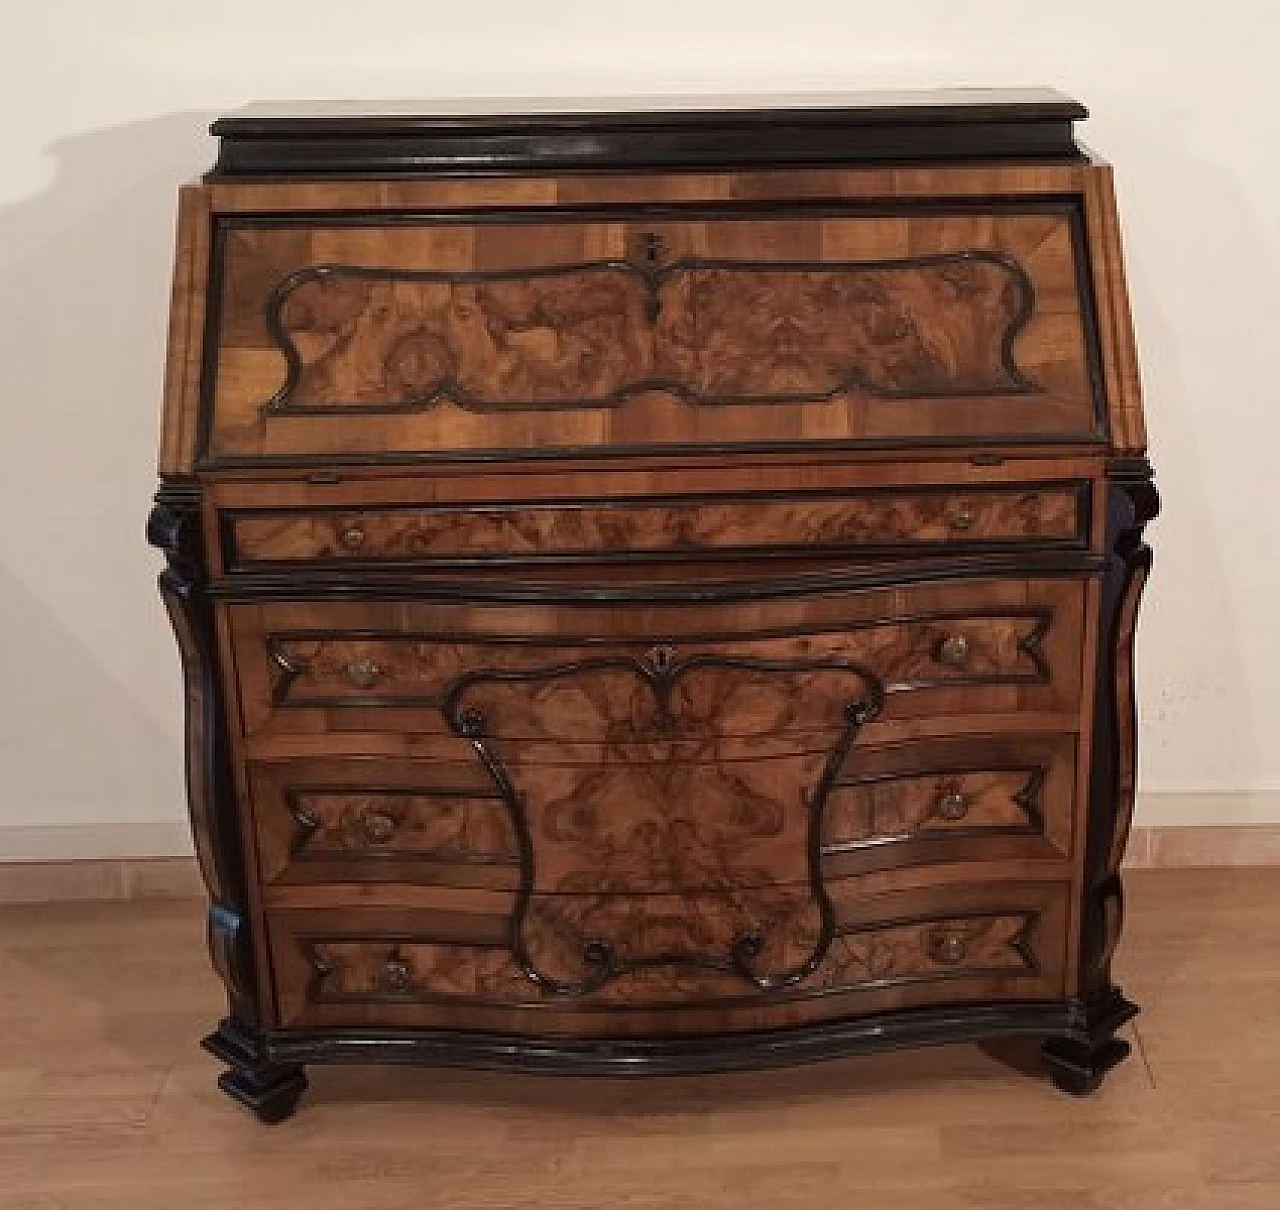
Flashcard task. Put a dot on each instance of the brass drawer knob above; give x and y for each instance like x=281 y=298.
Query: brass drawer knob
x=948 y=948
x=953 y=804
x=364 y=673
x=378 y=827
x=352 y=536
x=962 y=519
x=396 y=975
x=953 y=650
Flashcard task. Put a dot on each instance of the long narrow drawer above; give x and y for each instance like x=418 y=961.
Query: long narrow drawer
x=572 y=671
x=630 y=528
x=669 y=966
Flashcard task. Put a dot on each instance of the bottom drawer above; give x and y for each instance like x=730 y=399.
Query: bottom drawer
x=667 y=964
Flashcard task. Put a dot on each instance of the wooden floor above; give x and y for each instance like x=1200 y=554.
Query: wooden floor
x=106 y=1102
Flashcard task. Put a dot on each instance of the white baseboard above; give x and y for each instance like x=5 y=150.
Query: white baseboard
x=1231 y=808
x=96 y=841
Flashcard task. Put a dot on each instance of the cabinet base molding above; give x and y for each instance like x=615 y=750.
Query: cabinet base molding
x=265 y=1070
x=746 y=1051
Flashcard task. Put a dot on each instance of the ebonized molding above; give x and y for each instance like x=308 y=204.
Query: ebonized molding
x=279 y=585
x=748 y=1051
x=957 y=125
x=174 y=528
x=1132 y=501
x=268 y=1089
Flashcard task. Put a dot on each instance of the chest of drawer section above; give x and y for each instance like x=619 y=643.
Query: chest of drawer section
x=629 y=748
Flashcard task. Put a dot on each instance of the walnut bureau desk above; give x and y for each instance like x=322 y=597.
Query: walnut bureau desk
x=655 y=584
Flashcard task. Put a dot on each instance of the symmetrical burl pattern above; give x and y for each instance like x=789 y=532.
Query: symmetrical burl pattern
x=658 y=810
x=596 y=334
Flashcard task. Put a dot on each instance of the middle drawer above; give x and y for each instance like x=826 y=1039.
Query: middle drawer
x=606 y=827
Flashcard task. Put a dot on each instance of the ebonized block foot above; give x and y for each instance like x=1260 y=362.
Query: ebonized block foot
x=270 y=1091
x=1078 y=1067
x=1077 y=1062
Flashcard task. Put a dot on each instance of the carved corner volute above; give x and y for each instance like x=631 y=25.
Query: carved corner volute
x=1131 y=502
x=174 y=528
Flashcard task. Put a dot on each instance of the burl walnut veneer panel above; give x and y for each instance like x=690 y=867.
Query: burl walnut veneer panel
x=655 y=588
x=994 y=942
x=733 y=331
x=880 y=521
x=983 y=645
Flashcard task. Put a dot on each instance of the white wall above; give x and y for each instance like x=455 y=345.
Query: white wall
x=103 y=107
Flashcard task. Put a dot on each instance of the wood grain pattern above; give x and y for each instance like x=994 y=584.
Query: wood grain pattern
x=186 y=317
x=504 y=364
x=333 y=667
x=642 y=822
x=946 y=800
x=1120 y=352
x=618 y=528
x=872 y=185
x=554 y=528
x=373 y=672
x=106 y=1104
x=375 y=339
x=368 y=820
x=406 y=971
x=911 y=948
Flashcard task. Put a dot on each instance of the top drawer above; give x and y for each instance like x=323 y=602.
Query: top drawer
x=408 y=336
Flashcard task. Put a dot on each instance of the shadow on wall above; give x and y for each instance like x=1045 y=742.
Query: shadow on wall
x=1204 y=635
x=90 y=720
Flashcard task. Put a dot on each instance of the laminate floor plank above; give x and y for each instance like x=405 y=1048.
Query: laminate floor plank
x=107 y=1104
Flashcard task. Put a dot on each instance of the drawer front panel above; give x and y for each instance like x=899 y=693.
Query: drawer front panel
x=980 y=798
x=668 y=963
x=330 y=821
x=374 y=666
x=431 y=334
x=809 y=522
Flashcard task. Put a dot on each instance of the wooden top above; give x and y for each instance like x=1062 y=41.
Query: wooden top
x=509 y=135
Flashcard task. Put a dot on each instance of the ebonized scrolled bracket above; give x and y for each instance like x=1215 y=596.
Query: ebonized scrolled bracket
x=174 y=528
x=1077 y=1062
